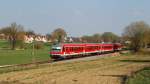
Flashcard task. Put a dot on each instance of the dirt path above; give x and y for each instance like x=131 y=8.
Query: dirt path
x=107 y=70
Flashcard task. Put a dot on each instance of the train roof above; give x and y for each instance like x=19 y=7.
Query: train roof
x=81 y=44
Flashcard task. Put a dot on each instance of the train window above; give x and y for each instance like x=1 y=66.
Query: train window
x=107 y=47
x=66 y=48
x=74 y=49
x=81 y=48
x=71 y=49
x=56 y=50
x=63 y=49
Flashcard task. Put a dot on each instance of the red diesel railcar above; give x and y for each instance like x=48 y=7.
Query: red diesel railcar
x=75 y=49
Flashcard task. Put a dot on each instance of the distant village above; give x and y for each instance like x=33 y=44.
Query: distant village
x=40 y=38
x=29 y=38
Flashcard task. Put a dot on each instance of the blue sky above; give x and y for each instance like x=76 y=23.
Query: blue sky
x=77 y=17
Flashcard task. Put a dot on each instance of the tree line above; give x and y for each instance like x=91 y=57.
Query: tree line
x=136 y=36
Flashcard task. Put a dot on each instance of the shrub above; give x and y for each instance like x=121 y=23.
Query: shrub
x=144 y=52
x=38 y=45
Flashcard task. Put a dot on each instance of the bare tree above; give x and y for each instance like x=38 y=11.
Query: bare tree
x=14 y=32
x=137 y=33
x=30 y=32
x=48 y=36
x=59 y=35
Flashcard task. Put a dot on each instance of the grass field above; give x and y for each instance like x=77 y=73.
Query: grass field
x=142 y=77
x=8 y=57
x=107 y=70
x=4 y=44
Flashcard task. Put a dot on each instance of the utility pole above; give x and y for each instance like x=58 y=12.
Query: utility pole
x=33 y=50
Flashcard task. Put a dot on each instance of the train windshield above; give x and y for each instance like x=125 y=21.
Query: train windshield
x=56 y=48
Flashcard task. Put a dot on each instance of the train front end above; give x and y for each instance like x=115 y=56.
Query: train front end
x=56 y=52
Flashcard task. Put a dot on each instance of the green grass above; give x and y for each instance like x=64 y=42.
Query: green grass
x=4 y=44
x=142 y=77
x=22 y=56
x=8 y=57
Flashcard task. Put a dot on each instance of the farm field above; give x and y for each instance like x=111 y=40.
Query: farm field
x=106 y=70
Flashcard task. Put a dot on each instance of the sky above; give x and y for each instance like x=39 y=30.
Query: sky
x=76 y=17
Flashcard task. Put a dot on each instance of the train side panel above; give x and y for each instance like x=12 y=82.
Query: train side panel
x=67 y=50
